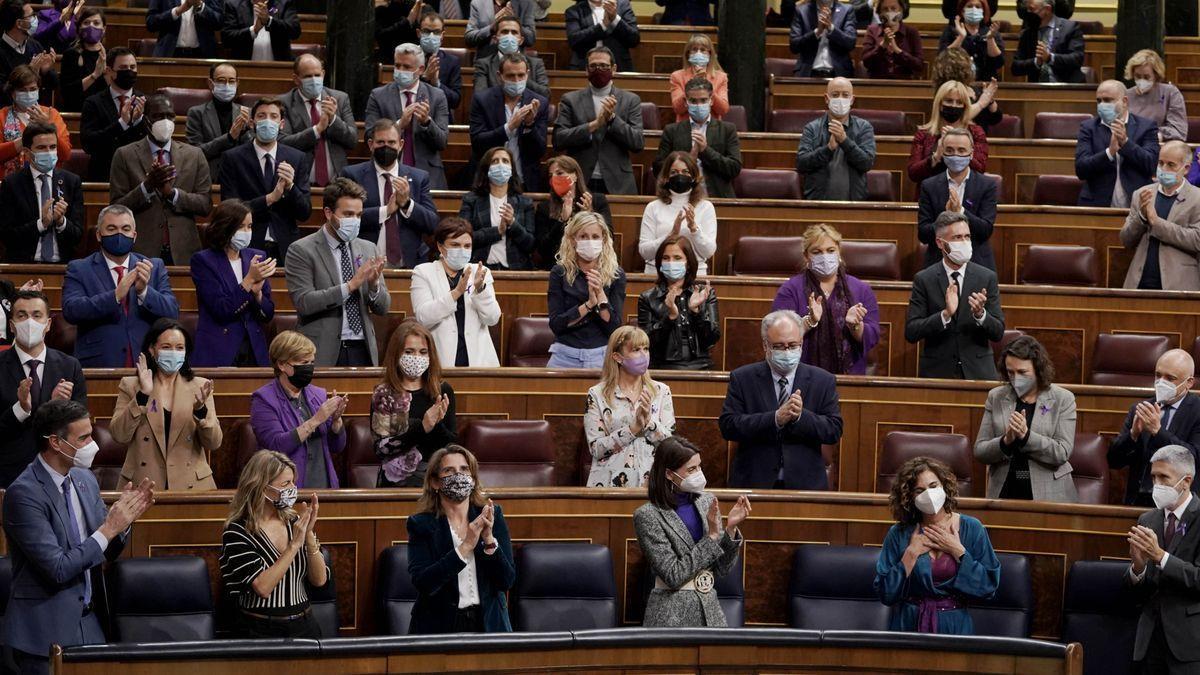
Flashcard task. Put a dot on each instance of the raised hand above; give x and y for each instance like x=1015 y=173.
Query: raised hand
x=480 y=270
x=328 y=408
x=1042 y=53
x=737 y=515
x=401 y=192
x=145 y=377
x=464 y=282
x=489 y=520
x=699 y=296
x=585 y=201
x=855 y=315
x=954 y=203
x=506 y=217
x=143 y=270
x=978 y=303
x=1146 y=206
x=951 y=302
x=62 y=390
x=126 y=283
x=24 y=396
x=286 y=173
x=130 y=506
x=202 y=393
x=938 y=153
x=1012 y=432
x=436 y=413
x=959 y=27
x=32 y=285
x=240 y=123
x=714 y=519
x=816 y=309
x=689 y=216
x=678 y=225
x=610 y=10
x=699 y=143
x=433 y=65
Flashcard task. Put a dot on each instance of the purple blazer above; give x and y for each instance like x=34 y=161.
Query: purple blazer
x=1194 y=173
x=273 y=418
x=228 y=312
x=794 y=296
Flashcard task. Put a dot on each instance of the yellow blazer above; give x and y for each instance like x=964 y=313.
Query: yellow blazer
x=178 y=463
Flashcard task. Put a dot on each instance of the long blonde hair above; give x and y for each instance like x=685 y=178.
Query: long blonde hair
x=701 y=40
x=934 y=125
x=264 y=466
x=625 y=335
x=430 y=501
x=606 y=264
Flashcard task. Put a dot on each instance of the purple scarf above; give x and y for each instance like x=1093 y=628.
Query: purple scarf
x=828 y=346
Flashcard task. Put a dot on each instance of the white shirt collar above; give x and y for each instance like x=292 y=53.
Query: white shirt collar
x=112 y=265
x=962 y=272
x=37 y=175
x=19 y=46
x=790 y=375
x=24 y=357
x=55 y=476
x=117 y=93
x=334 y=242
x=1123 y=120
x=966 y=177
x=393 y=170
x=155 y=147
x=260 y=152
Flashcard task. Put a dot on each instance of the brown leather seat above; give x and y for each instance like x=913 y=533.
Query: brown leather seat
x=650 y=116
x=1009 y=335
x=301 y=48
x=529 y=342
x=1089 y=75
x=767 y=256
x=901 y=446
x=767 y=184
x=1060 y=266
x=108 y=462
x=183 y=99
x=1058 y=125
x=551 y=113
x=142 y=47
x=1056 y=190
x=77 y=163
x=1193 y=130
x=874 y=260
x=1196 y=355
x=791 y=121
x=465 y=56
x=1009 y=126
x=512 y=453
x=189 y=321
x=780 y=67
x=737 y=117
x=61 y=335
x=249 y=99
x=1126 y=360
x=998 y=180
x=880 y=187
x=279 y=323
x=1091 y=27
x=885 y=122
x=1089 y=463
x=361 y=463
x=245 y=443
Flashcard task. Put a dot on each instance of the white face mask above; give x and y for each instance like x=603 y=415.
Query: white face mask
x=694 y=483
x=931 y=501
x=1166 y=496
x=1143 y=86
x=31 y=332
x=1164 y=391
x=414 y=365
x=83 y=456
x=839 y=107
x=589 y=249
x=959 y=253
x=162 y=130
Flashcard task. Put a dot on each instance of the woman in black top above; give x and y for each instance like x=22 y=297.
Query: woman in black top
x=83 y=63
x=586 y=295
x=972 y=30
x=679 y=315
x=412 y=409
x=396 y=23
x=568 y=195
x=270 y=551
x=502 y=217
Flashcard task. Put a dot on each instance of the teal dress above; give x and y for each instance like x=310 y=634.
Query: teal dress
x=932 y=598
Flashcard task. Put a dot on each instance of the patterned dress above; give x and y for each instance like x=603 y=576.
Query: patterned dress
x=620 y=459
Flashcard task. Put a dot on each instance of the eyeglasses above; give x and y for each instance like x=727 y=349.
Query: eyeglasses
x=602 y=67
x=782 y=347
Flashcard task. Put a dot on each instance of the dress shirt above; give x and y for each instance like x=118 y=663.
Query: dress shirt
x=1120 y=198
x=76 y=505
x=823 y=60
x=598 y=18
x=112 y=270
x=260 y=152
x=154 y=148
x=959 y=188
x=24 y=357
x=702 y=127
x=41 y=199
x=334 y=243
x=498 y=253
x=513 y=147
x=187 y=29
x=382 y=177
x=116 y=95
x=598 y=96
x=962 y=277
x=262 y=42
x=312 y=174
x=468 y=579
x=1179 y=532
x=18 y=46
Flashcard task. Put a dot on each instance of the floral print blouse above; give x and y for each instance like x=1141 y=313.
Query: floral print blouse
x=620 y=459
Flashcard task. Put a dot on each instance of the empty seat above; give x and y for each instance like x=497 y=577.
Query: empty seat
x=731 y=593
x=323 y=601
x=108 y=462
x=1009 y=126
x=465 y=56
x=563 y=587
x=1126 y=359
x=512 y=453
x=529 y=342
x=1060 y=266
x=1009 y=613
x=1193 y=132
x=245 y=443
x=954 y=450
x=394 y=590
x=737 y=117
x=791 y=121
x=885 y=122
x=998 y=181
x=183 y=99
x=779 y=67
x=301 y=48
x=61 y=335
x=767 y=184
x=1100 y=613
x=880 y=187
x=1089 y=75
x=362 y=465
x=142 y=47
x=650 y=116
x=279 y=323
x=77 y=162
x=1089 y=461
x=164 y=599
x=767 y=256
x=1010 y=334
x=1058 y=125
x=1056 y=190
x=875 y=260
x=833 y=588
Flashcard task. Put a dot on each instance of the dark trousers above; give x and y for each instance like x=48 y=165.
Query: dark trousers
x=354 y=353
x=1160 y=661
x=255 y=628
x=24 y=663
x=468 y=620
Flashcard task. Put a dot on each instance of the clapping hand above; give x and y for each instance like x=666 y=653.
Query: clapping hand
x=43 y=61
x=1146 y=206
x=433 y=65
x=31 y=285
x=959 y=28
x=1146 y=541
x=401 y=192
x=464 y=282
x=421 y=112
x=978 y=302
x=954 y=203
x=938 y=152
x=260 y=270
x=506 y=217
x=1042 y=54
x=855 y=316
x=335 y=417
x=610 y=10
x=816 y=309
x=488 y=514
x=824 y=19
x=595 y=288
x=125 y=285
x=1119 y=133
x=714 y=519
x=951 y=302
x=141 y=276
x=641 y=412
x=699 y=296
x=790 y=409
x=145 y=377
x=837 y=133
x=737 y=515
x=303 y=523
x=240 y=124
x=62 y=390
x=1150 y=417
x=436 y=413
x=130 y=506
x=24 y=396
x=328 y=114
x=1015 y=430
x=38 y=115
x=480 y=271
x=201 y=396
x=585 y=201
x=673 y=293
x=699 y=143
x=285 y=173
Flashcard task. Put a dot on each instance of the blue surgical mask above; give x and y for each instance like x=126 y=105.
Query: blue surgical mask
x=33 y=25
x=1167 y=179
x=507 y=44
x=266 y=130
x=240 y=239
x=404 y=78
x=499 y=174
x=170 y=360
x=116 y=244
x=430 y=43
x=224 y=92
x=515 y=89
x=457 y=258
x=674 y=269
x=699 y=111
x=45 y=161
x=1107 y=111
x=973 y=15
x=784 y=360
x=26 y=99
x=347 y=228
x=698 y=59
x=312 y=87
x=956 y=163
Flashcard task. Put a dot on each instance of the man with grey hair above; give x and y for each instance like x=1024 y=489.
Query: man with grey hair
x=958 y=190
x=420 y=111
x=113 y=295
x=1050 y=48
x=955 y=308
x=781 y=411
x=1163 y=226
x=1164 y=550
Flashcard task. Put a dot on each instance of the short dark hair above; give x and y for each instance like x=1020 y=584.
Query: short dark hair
x=601 y=50
x=1027 y=348
x=685 y=244
x=698 y=83
x=21 y=76
x=382 y=124
x=54 y=416
x=503 y=20
x=902 y=498
x=37 y=129
x=948 y=218
x=161 y=326
x=430 y=12
x=160 y=97
x=225 y=220
x=11 y=12
x=116 y=53
x=451 y=226
x=480 y=187
x=342 y=188
x=672 y=453
x=30 y=295
x=515 y=57
x=266 y=100
x=212 y=70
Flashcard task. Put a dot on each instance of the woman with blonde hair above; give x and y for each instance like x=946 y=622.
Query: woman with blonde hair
x=586 y=294
x=270 y=550
x=700 y=60
x=953 y=63
x=680 y=210
x=461 y=578
x=627 y=414
x=412 y=409
x=951 y=109
x=1152 y=97
x=568 y=195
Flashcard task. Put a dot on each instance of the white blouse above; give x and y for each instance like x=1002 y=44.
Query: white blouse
x=498 y=252
x=620 y=459
x=468 y=581
x=659 y=219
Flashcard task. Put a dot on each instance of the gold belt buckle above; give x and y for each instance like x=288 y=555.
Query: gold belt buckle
x=705 y=581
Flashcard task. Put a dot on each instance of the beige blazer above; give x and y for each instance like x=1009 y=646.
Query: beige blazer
x=1179 y=240
x=1049 y=446
x=130 y=166
x=177 y=463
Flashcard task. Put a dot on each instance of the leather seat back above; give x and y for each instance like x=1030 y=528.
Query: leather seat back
x=872 y=260
x=362 y=465
x=767 y=184
x=1126 y=359
x=1089 y=461
x=165 y=599
x=183 y=99
x=779 y=67
x=1009 y=126
x=880 y=187
x=1010 y=612
x=731 y=593
x=512 y=453
x=954 y=450
x=1056 y=190
x=1060 y=266
x=737 y=117
x=1100 y=613
x=529 y=342
x=108 y=462
x=394 y=590
x=832 y=588
x=1059 y=125
x=767 y=256
x=563 y=586
x=323 y=601
x=650 y=116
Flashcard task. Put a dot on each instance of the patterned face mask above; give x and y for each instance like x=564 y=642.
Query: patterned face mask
x=457 y=486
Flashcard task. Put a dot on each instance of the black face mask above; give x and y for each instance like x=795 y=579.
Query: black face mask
x=951 y=114
x=125 y=79
x=385 y=156
x=680 y=183
x=301 y=376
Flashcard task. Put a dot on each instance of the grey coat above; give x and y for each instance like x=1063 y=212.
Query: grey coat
x=814 y=155
x=1179 y=240
x=676 y=559
x=1048 y=447
x=204 y=131
x=611 y=145
x=428 y=139
x=340 y=137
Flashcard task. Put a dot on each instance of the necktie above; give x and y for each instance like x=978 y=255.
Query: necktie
x=783 y=390
x=320 y=161
x=1167 y=413
x=35 y=385
x=74 y=539
x=954 y=280
x=451 y=10
x=353 y=310
x=162 y=157
x=120 y=270
x=1172 y=529
x=121 y=103
x=268 y=173
x=409 y=158
x=395 y=253
x=47 y=245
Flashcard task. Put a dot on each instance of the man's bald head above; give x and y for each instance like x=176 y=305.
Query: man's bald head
x=1177 y=368
x=839 y=84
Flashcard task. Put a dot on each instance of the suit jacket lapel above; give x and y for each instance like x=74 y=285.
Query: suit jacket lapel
x=100 y=269
x=675 y=523
x=154 y=413
x=27 y=190
x=332 y=264
x=52 y=491
x=15 y=370
x=1181 y=204
x=143 y=155
x=585 y=104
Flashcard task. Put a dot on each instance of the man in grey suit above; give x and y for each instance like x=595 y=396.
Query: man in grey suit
x=420 y=111
x=1164 y=548
x=320 y=120
x=483 y=19
x=222 y=123
x=600 y=126
x=957 y=335
x=837 y=149
x=507 y=35
x=1163 y=226
x=336 y=279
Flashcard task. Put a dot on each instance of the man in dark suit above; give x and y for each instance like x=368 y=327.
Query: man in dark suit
x=1115 y=143
x=18 y=20
x=219 y=124
x=780 y=412
x=319 y=120
x=31 y=374
x=958 y=190
x=271 y=178
x=600 y=126
x=713 y=143
x=1170 y=417
x=398 y=210
x=1050 y=48
x=955 y=309
x=602 y=23
x=260 y=30
x=442 y=69
x=114 y=295
x=59 y=536
x=507 y=34
x=113 y=117
x=512 y=116
x=822 y=36
x=186 y=28
x=1164 y=549
x=42 y=205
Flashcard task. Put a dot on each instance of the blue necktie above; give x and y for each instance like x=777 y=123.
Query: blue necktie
x=73 y=538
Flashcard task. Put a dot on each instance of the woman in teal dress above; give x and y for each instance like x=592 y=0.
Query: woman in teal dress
x=934 y=559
